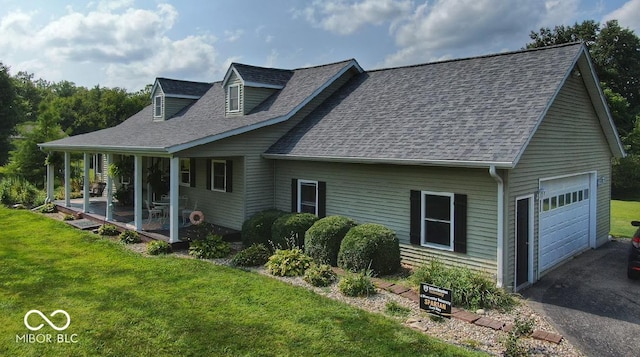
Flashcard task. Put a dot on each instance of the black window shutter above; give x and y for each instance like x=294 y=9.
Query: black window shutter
x=229 y=173
x=460 y=222
x=294 y=195
x=322 y=199
x=209 y=173
x=415 y=227
x=192 y=172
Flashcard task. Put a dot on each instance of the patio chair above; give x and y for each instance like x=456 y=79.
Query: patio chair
x=186 y=212
x=156 y=213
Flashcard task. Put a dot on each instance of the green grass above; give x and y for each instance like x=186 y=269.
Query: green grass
x=622 y=213
x=124 y=304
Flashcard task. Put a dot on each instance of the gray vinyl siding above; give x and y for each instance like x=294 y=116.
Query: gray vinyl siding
x=258 y=175
x=569 y=140
x=380 y=194
x=234 y=80
x=222 y=208
x=174 y=105
x=158 y=92
x=253 y=96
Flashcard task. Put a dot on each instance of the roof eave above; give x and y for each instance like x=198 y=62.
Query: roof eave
x=105 y=149
x=392 y=161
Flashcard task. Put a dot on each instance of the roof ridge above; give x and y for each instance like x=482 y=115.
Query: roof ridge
x=182 y=80
x=490 y=55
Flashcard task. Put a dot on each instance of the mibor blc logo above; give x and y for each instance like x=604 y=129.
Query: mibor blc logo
x=47 y=337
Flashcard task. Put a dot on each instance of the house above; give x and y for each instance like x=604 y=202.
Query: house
x=501 y=163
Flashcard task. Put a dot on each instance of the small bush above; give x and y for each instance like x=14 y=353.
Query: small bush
x=158 y=247
x=49 y=208
x=358 y=284
x=322 y=240
x=257 y=229
x=211 y=247
x=319 y=275
x=288 y=262
x=370 y=246
x=473 y=290
x=108 y=230
x=129 y=237
x=291 y=227
x=68 y=217
x=255 y=255
x=19 y=191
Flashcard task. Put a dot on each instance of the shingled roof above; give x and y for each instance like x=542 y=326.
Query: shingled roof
x=480 y=110
x=205 y=121
x=174 y=87
x=260 y=75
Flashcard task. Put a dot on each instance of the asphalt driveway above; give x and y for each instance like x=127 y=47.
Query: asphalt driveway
x=592 y=303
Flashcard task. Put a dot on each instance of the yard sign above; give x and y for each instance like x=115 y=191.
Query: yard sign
x=435 y=300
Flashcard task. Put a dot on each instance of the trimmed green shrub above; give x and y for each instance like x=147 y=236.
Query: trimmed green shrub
x=257 y=229
x=288 y=262
x=320 y=275
x=68 y=217
x=322 y=240
x=288 y=230
x=358 y=284
x=49 y=208
x=255 y=255
x=107 y=230
x=211 y=247
x=473 y=290
x=129 y=237
x=370 y=246
x=158 y=247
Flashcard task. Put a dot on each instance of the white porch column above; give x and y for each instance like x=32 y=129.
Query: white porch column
x=50 y=182
x=67 y=179
x=137 y=192
x=85 y=186
x=174 y=191
x=109 y=187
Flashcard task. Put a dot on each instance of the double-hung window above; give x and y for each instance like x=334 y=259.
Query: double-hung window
x=219 y=175
x=438 y=220
x=185 y=172
x=308 y=196
x=234 y=98
x=157 y=106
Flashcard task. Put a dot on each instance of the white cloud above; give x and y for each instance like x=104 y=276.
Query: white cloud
x=628 y=15
x=344 y=18
x=440 y=29
x=233 y=36
x=272 y=58
x=131 y=44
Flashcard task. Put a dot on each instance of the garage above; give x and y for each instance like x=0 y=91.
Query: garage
x=565 y=219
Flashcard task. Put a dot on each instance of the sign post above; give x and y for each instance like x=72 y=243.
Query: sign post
x=435 y=300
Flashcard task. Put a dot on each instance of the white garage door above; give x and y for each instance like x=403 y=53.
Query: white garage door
x=564 y=219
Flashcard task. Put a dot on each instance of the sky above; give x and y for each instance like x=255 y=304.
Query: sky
x=128 y=43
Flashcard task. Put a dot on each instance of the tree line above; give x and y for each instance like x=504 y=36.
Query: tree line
x=34 y=111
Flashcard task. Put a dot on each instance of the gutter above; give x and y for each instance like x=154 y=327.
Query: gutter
x=500 y=202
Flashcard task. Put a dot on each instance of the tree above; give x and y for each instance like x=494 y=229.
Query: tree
x=27 y=160
x=8 y=114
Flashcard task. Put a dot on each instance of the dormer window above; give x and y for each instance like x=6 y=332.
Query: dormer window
x=234 y=98
x=157 y=106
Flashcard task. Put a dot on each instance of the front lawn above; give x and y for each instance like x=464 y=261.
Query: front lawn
x=622 y=213
x=123 y=304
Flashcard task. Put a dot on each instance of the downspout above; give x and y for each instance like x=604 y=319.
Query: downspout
x=500 y=256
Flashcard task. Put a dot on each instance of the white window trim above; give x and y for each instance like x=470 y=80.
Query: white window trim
x=213 y=177
x=299 y=198
x=155 y=107
x=423 y=238
x=188 y=170
x=229 y=98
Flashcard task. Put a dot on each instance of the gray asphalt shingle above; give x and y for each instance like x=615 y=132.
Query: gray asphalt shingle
x=481 y=109
x=178 y=87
